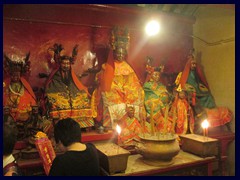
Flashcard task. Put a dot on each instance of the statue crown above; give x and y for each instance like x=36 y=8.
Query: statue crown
x=15 y=63
x=120 y=38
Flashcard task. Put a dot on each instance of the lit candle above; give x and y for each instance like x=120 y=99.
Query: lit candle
x=96 y=63
x=118 y=129
x=205 y=125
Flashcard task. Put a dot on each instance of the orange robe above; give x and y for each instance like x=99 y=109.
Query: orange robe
x=123 y=89
x=131 y=129
x=184 y=116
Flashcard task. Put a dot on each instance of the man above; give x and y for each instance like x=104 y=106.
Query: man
x=79 y=159
x=66 y=95
x=10 y=167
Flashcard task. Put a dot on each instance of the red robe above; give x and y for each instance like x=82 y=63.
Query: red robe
x=23 y=101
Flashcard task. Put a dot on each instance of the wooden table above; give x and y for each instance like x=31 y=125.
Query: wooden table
x=184 y=163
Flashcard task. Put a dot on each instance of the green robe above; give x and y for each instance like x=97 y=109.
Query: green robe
x=202 y=92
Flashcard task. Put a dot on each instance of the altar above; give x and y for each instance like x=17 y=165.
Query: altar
x=184 y=164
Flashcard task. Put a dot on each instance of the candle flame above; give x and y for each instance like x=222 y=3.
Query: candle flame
x=205 y=124
x=96 y=63
x=118 y=128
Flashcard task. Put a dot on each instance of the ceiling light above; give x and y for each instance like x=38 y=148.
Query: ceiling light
x=152 y=28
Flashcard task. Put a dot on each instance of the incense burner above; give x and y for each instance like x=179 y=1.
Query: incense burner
x=159 y=149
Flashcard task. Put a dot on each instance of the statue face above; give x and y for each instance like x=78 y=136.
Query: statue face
x=182 y=95
x=193 y=65
x=34 y=109
x=120 y=54
x=131 y=112
x=6 y=110
x=15 y=76
x=65 y=65
x=155 y=76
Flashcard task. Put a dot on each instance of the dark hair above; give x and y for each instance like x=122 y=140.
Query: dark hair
x=68 y=131
x=9 y=136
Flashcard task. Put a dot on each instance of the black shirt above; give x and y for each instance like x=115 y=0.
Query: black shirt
x=77 y=163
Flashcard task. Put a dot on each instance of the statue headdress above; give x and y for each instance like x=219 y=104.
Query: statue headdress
x=120 y=38
x=150 y=69
x=59 y=53
x=191 y=55
x=16 y=63
x=179 y=89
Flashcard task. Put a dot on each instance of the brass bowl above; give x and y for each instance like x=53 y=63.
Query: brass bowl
x=158 y=148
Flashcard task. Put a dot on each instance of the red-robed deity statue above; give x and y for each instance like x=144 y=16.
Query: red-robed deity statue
x=119 y=85
x=18 y=95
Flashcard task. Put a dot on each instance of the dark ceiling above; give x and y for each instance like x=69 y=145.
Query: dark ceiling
x=188 y=10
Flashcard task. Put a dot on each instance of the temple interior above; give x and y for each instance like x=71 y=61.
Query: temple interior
x=153 y=100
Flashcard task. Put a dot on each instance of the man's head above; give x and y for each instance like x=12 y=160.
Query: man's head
x=67 y=131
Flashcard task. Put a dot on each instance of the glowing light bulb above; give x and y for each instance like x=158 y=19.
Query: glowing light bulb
x=152 y=28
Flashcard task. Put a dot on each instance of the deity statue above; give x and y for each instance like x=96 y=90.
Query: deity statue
x=157 y=101
x=18 y=95
x=131 y=127
x=202 y=101
x=65 y=95
x=184 y=113
x=118 y=84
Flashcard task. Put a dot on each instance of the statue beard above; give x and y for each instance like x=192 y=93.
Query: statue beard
x=66 y=77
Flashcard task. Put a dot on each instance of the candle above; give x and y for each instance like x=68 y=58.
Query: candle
x=205 y=125
x=118 y=129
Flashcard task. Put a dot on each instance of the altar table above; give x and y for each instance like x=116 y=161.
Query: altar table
x=184 y=163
